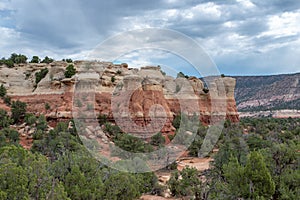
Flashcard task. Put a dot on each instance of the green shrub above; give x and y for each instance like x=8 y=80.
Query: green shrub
x=11 y=134
x=35 y=59
x=171 y=137
x=18 y=110
x=30 y=119
x=172 y=166
x=68 y=60
x=3 y=91
x=27 y=74
x=113 y=79
x=182 y=75
x=176 y=121
x=5 y=120
x=195 y=147
x=102 y=119
x=7 y=100
x=41 y=123
x=158 y=139
x=15 y=58
x=9 y=63
x=70 y=71
x=111 y=129
x=38 y=135
x=162 y=72
x=47 y=60
x=129 y=143
x=205 y=90
x=47 y=106
x=40 y=75
x=188 y=185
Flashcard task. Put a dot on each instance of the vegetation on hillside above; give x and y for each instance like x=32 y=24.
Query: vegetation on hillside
x=20 y=58
x=59 y=167
x=280 y=90
x=256 y=159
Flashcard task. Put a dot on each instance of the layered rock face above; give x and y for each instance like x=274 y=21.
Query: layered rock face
x=138 y=100
x=268 y=93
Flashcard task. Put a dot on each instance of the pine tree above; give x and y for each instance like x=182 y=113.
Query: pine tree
x=258 y=176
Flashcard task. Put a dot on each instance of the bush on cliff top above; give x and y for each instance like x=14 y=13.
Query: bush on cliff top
x=35 y=59
x=14 y=59
x=47 y=60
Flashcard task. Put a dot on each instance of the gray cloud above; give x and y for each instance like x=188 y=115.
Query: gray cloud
x=274 y=62
x=278 y=5
x=252 y=26
x=235 y=33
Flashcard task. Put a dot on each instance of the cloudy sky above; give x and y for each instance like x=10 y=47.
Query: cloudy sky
x=241 y=36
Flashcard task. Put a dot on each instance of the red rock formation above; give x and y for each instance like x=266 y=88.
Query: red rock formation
x=152 y=94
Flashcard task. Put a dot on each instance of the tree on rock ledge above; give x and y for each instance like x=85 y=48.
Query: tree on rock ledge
x=47 y=60
x=70 y=71
x=15 y=58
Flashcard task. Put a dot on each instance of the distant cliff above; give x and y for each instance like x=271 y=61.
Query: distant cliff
x=53 y=95
x=268 y=93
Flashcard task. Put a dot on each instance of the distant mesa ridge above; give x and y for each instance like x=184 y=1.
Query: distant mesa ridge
x=274 y=95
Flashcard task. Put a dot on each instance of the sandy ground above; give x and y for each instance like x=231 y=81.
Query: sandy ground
x=152 y=197
x=200 y=164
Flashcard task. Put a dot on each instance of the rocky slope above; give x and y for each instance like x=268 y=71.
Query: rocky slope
x=125 y=95
x=267 y=93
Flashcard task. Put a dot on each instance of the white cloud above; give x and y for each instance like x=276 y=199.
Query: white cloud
x=207 y=11
x=246 y=3
x=171 y=13
x=285 y=24
x=9 y=38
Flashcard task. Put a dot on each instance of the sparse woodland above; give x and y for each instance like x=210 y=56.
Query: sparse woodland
x=256 y=159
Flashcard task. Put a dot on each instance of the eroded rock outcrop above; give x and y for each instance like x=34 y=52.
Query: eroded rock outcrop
x=133 y=98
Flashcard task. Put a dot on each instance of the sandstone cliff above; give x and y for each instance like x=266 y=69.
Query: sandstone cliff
x=136 y=98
